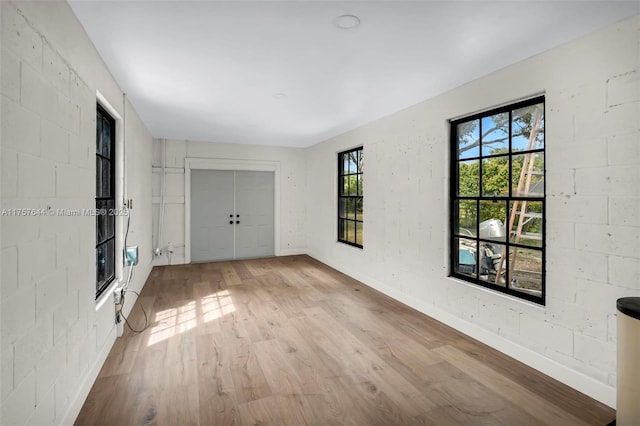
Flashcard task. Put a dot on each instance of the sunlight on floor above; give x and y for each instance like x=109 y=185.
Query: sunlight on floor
x=216 y=305
x=174 y=321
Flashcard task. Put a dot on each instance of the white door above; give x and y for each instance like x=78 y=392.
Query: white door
x=212 y=215
x=255 y=206
x=232 y=214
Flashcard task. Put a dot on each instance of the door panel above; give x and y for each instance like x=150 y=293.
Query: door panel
x=255 y=205
x=212 y=201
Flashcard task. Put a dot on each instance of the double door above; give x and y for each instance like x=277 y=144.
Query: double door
x=232 y=215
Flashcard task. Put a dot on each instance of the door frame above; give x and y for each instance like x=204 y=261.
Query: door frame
x=234 y=165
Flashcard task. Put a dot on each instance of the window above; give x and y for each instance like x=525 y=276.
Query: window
x=350 y=184
x=105 y=200
x=498 y=199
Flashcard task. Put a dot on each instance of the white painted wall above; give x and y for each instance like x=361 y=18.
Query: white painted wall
x=53 y=337
x=593 y=199
x=292 y=162
x=54 y=340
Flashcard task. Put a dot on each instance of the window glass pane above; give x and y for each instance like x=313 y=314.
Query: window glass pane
x=110 y=260
x=101 y=265
x=495 y=177
x=344 y=160
x=495 y=134
x=493 y=216
x=468 y=135
x=345 y=186
x=490 y=258
x=99 y=134
x=110 y=219
x=530 y=181
x=342 y=211
x=100 y=227
x=526 y=271
x=465 y=260
x=101 y=222
x=351 y=208
x=527 y=224
x=359 y=233
x=527 y=128
x=360 y=160
x=98 y=176
x=105 y=191
x=466 y=218
x=106 y=138
x=353 y=185
x=360 y=183
x=468 y=178
x=342 y=229
x=359 y=209
x=352 y=161
x=352 y=231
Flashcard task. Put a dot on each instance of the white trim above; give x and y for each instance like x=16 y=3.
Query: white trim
x=292 y=252
x=78 y=400
x=572 y=378
x=228 y=164
x=500 y=105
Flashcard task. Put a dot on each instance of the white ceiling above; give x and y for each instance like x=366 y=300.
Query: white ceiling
x=282 y=73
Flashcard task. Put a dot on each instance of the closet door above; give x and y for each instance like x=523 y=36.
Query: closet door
x=255 y=207
x=212 y=215
x=232 y=215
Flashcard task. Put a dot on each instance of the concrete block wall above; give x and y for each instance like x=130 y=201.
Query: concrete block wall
x=54 y=336
x=592 y=88
x=293 y=228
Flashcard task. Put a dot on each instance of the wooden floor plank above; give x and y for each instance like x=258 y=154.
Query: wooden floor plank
x=290 y=341
x=532 y=404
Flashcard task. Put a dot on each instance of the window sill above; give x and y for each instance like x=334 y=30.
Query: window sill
x=107 y=295
x=499 y=294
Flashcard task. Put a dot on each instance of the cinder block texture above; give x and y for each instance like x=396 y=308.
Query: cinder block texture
x=50 y=74
x=592 y=182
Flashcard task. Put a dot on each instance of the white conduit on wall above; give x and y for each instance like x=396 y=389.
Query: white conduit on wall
x=125 y=190
x=162 y=193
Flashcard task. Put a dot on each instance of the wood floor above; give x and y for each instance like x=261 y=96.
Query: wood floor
x=290 y=341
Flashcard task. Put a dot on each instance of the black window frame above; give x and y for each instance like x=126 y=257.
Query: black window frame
x=105 y=200
x=344 y=217
x=455 y=230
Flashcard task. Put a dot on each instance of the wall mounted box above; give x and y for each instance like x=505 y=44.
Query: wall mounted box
x=131 y=256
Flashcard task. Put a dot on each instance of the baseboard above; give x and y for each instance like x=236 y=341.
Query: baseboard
x=291 y=252
x=80 y=397
x=179 y=260
x=175 y=260
x=574 y=379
